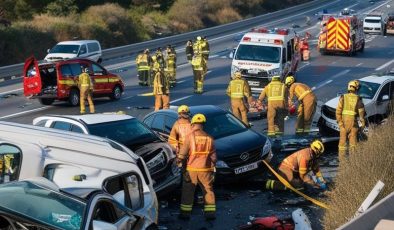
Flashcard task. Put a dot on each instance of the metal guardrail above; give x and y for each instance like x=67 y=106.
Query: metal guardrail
x=14 y=71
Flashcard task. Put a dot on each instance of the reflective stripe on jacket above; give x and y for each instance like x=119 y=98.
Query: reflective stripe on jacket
x=350 y=104
x=179 y=131
x=143 y=62
x=197 y=62
x=84 y=80
x=299 y=90
x=302 y=162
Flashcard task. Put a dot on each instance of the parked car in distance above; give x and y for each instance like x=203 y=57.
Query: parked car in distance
x=240 y=150
x=90 y=49
x=130 y=132
x=38 y=203
x=78 y=164
x=375 y=22
x=58 y=81
x=377 y=93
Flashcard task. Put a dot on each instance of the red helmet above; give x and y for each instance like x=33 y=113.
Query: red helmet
x=292 y=109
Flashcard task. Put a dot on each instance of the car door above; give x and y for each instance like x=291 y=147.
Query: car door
x=104 y=213
x=383 y=99
x=10 y=162
x=158 y=125
x=100 y=78
x=31 y=77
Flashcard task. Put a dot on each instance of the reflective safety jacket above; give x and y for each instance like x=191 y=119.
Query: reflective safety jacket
x=274 y=91
x=199 y=150
x=302 y=162
x=84 y=81
x=198 y=47
x=160 y=83
x=197 y=62
x=238 y=88
x=143 y=62
x=350 y=105
x=205 y=47
x=171 y=62
x=179 y=131
x=299 y=90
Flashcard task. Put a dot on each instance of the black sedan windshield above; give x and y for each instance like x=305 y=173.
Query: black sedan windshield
x=258 y=53
x=130 y=132
x=221 y=125
x=367 y=89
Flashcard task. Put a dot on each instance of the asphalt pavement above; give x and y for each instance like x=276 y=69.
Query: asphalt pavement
x=328 y=75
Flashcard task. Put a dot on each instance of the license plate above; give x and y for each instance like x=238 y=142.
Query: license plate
x=245 y=168
x=253 y=71
x=253 y=83
x=335 y=127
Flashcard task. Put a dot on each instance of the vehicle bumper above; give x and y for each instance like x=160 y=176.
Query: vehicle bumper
x=328 y=127
x=170 y=182
x=372 y=30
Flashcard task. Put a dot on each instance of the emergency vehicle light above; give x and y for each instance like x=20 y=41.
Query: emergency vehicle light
x=282 y=31
x=260 y=30
x=246 y=39
x=278 y=42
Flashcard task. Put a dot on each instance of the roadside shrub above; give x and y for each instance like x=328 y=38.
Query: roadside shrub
x=186 y=15
x=61 y=8
x=373 y=161
x=156 y=23
x=227 y=15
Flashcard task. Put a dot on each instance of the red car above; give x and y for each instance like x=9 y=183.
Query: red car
x=58 y=81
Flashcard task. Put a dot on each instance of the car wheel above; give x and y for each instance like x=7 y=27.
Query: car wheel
x=362 y=47
x=46 y=101
x=74 y=97
x=116 y=93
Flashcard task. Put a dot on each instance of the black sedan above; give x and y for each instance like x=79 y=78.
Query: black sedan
x=239 y=149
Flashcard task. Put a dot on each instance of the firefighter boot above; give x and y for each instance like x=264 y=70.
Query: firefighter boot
x=274 y=185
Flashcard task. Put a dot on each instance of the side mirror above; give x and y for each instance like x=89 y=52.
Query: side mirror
x=385 y=98
x=101 y=225
x=232 y=54
x=48 y=50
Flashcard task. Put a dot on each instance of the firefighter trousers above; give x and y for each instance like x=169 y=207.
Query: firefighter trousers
x=306 y=110
x=275 y=115
x=289 y=175
x=198 y=81
x=144 y=77
x=239 y=110
x=162 y=101
x=348 y=133
x=205 y=181
x=85 y=93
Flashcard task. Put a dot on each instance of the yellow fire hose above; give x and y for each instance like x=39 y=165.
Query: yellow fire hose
x=288 y=185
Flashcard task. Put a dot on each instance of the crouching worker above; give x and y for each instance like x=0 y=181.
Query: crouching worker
x=295 y=169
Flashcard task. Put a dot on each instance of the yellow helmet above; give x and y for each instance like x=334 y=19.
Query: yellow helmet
x=353 y=85
x=183 y=109
x=154 y=58
x=198 y=118
x=198 y=38
x=317 y=146
x=275 y=78
x=237 y=74
x=289 y=80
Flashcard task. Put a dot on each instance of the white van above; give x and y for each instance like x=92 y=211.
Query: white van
x=90 y=49
x=375 y=23
x=79 y=164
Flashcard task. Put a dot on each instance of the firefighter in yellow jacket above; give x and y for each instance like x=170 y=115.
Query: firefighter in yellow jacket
x=306 y=103
x=180 y=129
x=350 y=107
x=199 y=65
x=200 y=155
x=85 y=90
x=161 y=88
x=237 y=90
x=170 y=66
x=143 y=62
x=275 y=94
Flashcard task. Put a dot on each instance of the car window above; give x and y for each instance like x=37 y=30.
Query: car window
x=97 y=70
x=41 y=123
x=10 y=162
x=75 y=69
x=76 y=129
x=169 y=122
x=61 y=125
x=221 y=125
x=368 y=89
x=158 y=123
x=105 y=211
x=148 y=120
x=93 y=47
x=83 y=49
x=66 y=71
x=385 y=91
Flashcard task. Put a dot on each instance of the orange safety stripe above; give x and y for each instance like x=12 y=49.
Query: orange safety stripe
x=67 y=82
x=188 y=168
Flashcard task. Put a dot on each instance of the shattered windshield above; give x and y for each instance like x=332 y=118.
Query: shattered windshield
x=258 y=53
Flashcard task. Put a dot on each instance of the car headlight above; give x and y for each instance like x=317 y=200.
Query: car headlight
x=234 y=69
x=267 y=147
x=221 y=164
x=175 y=170
x=274 y=72
x=158 y=160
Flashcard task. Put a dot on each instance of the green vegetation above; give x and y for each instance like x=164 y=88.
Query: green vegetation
x=373 y=161
x=30 y=27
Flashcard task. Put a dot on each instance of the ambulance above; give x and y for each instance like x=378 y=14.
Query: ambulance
x=264 y=53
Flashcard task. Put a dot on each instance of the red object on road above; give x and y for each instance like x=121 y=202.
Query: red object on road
x=292 y=110
x=271 y=222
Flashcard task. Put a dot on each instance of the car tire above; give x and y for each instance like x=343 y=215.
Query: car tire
x=116 y=93
x=73 y=99
x=46 y=101
x=362 y=47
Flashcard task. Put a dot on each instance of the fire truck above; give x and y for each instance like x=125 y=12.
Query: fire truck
x=263 y=53
x=341 y=34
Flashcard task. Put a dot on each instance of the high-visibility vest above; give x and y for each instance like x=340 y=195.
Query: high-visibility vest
x=237 y=88
x=199 y=153
x=300 y=161
x=84 y=80
x=143 y=63
x=301 y=90
x=171 y=62
x=276 y=91
x=197 y=62
x=350 y=101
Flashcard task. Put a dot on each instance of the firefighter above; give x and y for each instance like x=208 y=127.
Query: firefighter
x=275 y=94
x=161 y=88
x=200 y=155
x=295 y=169
x=143 y=62
x=170 y=66
x=306 y=103
x=85 y=86
x=205 y=52
x=198 y=73
x=159 y=57
x=180 y=129
x=237 y=89
x=350 y=107
x=189 y=50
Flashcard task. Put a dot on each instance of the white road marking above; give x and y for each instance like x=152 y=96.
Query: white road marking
x=331 y=80
x=378 y=6
x=303 y=66
x=24 y=112
x=321 y=85
x=11 y=91
x=384 y=65
x=180 y=99
x=125 y=98
x=214 y=56
x=179 y=82
x=333 y=62
x=359 y=64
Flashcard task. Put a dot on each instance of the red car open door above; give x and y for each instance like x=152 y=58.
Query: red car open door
x=31 y=77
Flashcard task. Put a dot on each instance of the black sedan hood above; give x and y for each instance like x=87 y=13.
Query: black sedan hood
x=239 y=143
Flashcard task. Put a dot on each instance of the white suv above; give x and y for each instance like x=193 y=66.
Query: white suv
x=129 y=131
x=375 y=23
x=89 y=49
x=377 y=93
